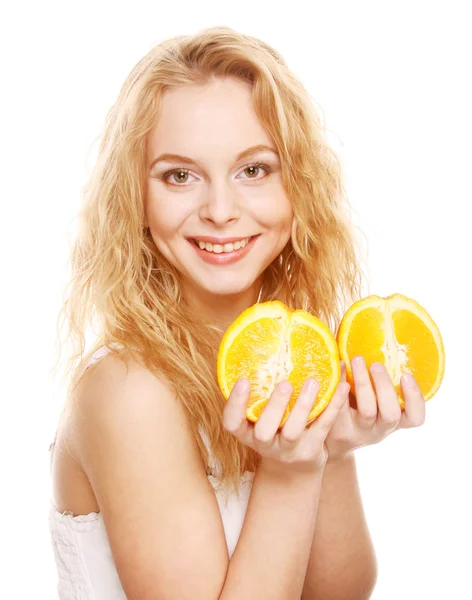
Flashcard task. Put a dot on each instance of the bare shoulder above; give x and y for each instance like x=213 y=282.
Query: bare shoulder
x=120 y=389
x=134 y=442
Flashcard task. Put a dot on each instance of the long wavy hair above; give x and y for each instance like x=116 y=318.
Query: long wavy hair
x=126 y=291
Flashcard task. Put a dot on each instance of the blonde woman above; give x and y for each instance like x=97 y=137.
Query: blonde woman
x=214 y=188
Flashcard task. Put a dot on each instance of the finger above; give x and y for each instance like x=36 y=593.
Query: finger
x=366 y=415
x=389 y=408
x=298 y=417
x=343 y=371
x=269 y=421
x=234 y=413
x=323 y=423
x=352 y=398
x=415 y=405
x=346 y=410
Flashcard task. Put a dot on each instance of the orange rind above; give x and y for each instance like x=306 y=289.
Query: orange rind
x=397 y=332
x=269 y=343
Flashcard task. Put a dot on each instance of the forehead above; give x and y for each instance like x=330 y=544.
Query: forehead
x=217 y=117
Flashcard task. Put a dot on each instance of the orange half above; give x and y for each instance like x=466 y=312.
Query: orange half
x=397 y=332
x=269 y=343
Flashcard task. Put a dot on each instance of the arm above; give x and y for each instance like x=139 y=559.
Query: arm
x=134 y=442
x=160 y=511
x=342 y=561
x=270 y=559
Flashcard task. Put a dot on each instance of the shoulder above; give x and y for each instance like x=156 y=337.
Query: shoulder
x=118 y=394
x=113 y=371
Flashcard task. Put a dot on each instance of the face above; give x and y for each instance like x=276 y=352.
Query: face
x=215 y=196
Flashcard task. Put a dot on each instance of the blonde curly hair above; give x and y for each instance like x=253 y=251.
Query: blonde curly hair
x=130 y=295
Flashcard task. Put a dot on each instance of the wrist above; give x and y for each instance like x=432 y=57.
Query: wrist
x=336 y=459
x=290 y=472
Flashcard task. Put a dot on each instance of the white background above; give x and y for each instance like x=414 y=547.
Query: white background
x=393 y=79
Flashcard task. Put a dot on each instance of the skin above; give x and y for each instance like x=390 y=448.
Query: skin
x=376 y=412
x=342 y=562
x=213 y=124
x=222 y=197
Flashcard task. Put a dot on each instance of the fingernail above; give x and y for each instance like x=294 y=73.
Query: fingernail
x=285 y=386
x=310 y=385
x=408 y=380
x=242 y=386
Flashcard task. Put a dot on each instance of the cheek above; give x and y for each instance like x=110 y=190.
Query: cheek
x=281 y=216
x=286 y=221
x=164 y=218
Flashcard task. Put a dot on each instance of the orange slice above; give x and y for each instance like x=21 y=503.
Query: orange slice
x=269 y=343
x=397 y=332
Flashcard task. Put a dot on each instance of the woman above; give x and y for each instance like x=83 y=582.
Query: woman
x=214 y=189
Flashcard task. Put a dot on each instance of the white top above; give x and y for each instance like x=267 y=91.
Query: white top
x=84 y=561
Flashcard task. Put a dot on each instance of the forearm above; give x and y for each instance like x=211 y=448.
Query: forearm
x=342 y=561
x=270 y=558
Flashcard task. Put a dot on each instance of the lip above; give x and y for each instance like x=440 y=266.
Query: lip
x=223 y=258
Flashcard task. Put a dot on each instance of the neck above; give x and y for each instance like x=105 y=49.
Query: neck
x=221 y=311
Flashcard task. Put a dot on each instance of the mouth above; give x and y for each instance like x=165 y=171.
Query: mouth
x=226 y=248
x=223 y=254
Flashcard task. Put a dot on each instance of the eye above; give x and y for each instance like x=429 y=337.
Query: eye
x=258 y=166
x=180 y=173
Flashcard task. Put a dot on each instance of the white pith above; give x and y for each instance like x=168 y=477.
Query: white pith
x=278 y=366
x=396 y=356
x=219 y=248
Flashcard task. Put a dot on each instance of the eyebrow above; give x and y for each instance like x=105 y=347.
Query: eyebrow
x=189 y=161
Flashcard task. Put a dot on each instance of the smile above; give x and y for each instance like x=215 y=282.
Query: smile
x=223 y=254
x=219 y=248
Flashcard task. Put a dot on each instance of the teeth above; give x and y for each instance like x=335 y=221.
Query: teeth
x=219 y=249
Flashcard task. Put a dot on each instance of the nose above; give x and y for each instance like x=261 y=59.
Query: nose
x=220 y=204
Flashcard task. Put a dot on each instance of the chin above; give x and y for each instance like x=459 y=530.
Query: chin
x=224 y=286
x=220 y=289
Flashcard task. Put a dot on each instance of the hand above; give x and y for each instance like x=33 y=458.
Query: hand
x=378 y=412
x=296 y=447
